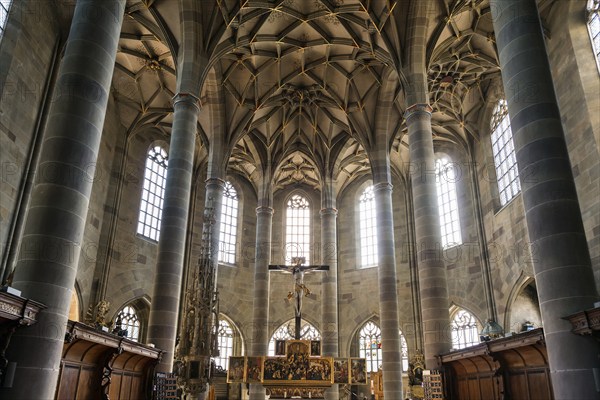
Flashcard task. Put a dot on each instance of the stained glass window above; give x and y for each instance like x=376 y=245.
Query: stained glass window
x=369 y=346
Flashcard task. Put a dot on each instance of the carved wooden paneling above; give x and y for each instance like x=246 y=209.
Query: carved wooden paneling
x=97 y=363
x=515 y=367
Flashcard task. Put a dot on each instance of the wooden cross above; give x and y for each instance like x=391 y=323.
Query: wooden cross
x=300 y=289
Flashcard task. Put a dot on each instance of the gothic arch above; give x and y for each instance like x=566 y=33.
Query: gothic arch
x=141 y=305
x=518 y=288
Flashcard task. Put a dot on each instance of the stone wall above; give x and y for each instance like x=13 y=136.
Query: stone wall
x=130 y=264
x=571 y=59
x=28 y=48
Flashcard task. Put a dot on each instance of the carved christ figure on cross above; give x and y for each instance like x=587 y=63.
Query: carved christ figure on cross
x=300 y=290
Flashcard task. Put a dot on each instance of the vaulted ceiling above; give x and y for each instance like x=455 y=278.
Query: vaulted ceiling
x=299 y=83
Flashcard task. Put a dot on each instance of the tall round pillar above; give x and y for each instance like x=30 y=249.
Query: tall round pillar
x=428 y=241
x=260 y=333
x=51 y=243
x=388 y=292
x=329 y=320
x=162 y=325
x=560 y=255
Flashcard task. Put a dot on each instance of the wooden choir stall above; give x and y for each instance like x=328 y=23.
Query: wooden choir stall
x=100 y=365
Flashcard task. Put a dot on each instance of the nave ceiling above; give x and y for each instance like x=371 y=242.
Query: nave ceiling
x=310 y=87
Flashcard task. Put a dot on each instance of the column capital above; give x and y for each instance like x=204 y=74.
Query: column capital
x=418 y=109
x=214 y=182
x=329 y=211
x=383 y=186
x=264 y=210
x=188 y=98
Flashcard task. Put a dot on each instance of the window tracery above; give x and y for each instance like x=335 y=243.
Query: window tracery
x=153 y=193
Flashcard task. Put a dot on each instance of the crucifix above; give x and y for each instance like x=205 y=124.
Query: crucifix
x=300 y=289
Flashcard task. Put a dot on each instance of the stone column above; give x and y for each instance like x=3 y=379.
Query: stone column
x=428 y=241
x=51 y=243
x=162 y=325
x=562 y=266
x=388 y=287
x=329 y=324
x=260 y=328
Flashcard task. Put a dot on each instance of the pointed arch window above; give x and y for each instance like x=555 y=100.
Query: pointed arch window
x=129 y=322
x=225 y=344
x=593 y=9
x=229 y=220
x=505 y=160
x=297 y=232
x=369 y=346
x=465 y=331
x=286 y=332
x=445 y=181
x=368 y=228
x=153 y=193
x=4 y=13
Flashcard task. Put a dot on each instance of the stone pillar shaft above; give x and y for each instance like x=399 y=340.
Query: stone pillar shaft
x=561 y=260
x=329 y=324
x=260 y=333
x=388 y=292
x=51 y=243
x=432 y=271
x=162 y=326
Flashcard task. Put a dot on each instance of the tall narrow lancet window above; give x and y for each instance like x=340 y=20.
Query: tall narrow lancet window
x=369 y=346
x=297 y=232
x=404 y=352
x=593 y=10
x=153 y=193
x=229 y=217
x=129 y=323
x=286 y=332
x=445 y=180
x=505 y=159
x=224 y=343
x=4 y=10
x=368 y=228
x=465 y=332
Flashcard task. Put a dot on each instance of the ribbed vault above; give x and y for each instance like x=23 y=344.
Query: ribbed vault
x=297 y=89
